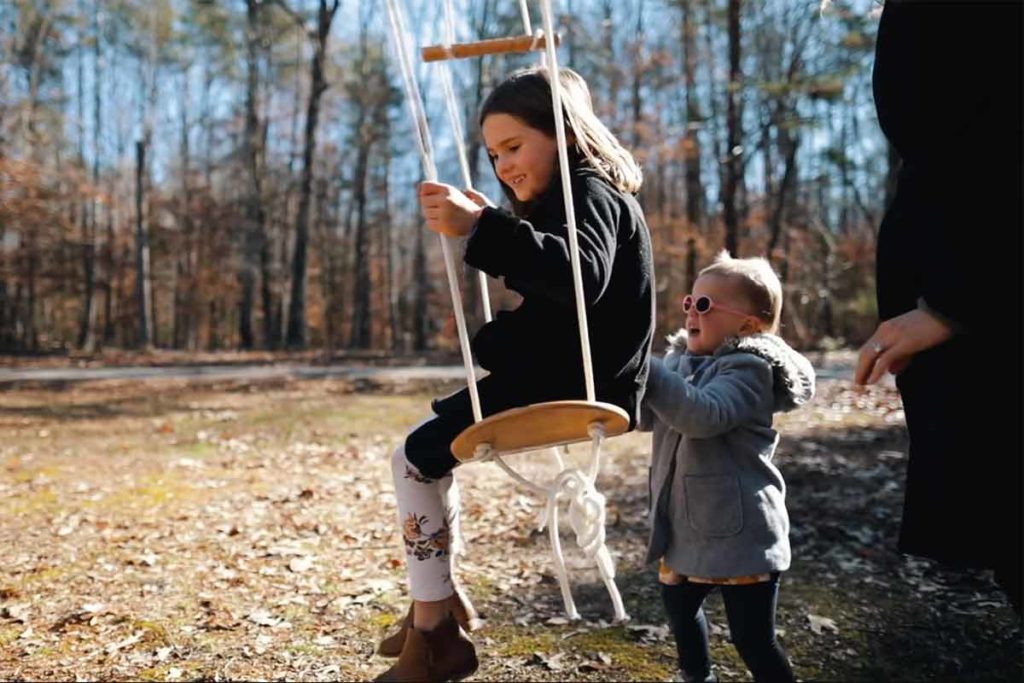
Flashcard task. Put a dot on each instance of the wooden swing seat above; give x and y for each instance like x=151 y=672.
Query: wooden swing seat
x=540 y=425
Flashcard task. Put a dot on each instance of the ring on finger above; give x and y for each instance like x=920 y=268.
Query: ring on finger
x=877 y=347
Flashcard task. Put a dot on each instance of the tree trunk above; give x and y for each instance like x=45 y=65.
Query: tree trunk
x=570 y=35
x=694 y=189
x=844 y=175
x=734 y=133
x=297 y=312
x=691 y=263
x=6 y=331
x=207 y=126
x=255 y=216
x=213 y=343
x=420 y=320
x=87 y=324
x=142 y=283
x=389 y=266
x=87 y=219
x=30 y=338
x=187 y=285
x=638 y=71
x=479 y=83
x=97 y=121
x=472 y=294
x=23 y=318
x=789 y=175
x=143 y=268
x=328 y=264
x=110 y=273
x=360 y=337
x=713 y=99
x=612 y=66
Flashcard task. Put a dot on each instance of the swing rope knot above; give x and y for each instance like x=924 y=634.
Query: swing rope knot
x=483 y=452
x=586 y=512
x=586 y=509
x=538 y=36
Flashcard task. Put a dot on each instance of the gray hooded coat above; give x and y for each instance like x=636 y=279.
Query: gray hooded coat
x=717 y=502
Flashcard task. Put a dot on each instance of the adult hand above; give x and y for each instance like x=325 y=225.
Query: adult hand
x=896 y=341
x=447 y=210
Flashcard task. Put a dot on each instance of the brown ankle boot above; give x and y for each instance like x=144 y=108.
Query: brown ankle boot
x=445 y=653
x=461 y=608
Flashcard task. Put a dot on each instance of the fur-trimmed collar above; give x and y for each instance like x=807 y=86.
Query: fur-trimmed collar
x=793 y=373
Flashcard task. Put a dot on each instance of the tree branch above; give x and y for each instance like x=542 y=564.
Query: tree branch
x=299 y=19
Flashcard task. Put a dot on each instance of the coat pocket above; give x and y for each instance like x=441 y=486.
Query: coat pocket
x=713 y=504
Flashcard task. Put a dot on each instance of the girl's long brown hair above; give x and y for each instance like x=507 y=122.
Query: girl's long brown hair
x=526 y=95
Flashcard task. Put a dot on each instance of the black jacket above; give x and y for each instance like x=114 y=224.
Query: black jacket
x=947 y=87
x=533 y=352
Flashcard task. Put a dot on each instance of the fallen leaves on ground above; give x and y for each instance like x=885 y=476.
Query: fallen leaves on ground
x=171 y=531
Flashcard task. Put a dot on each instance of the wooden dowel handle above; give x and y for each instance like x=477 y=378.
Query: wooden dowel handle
x=524 y=43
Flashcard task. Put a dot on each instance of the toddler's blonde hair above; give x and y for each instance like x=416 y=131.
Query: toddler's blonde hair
x=758 y=282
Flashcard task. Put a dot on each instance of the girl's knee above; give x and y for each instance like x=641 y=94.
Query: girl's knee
x=417 y=464
x=431 y=460
x=398 y=462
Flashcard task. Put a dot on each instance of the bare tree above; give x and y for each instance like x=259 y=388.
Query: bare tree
x=87 y=325
x=143 y=283
x=318 y=85
x=734 y=127
x=481 y=76
x=713 y=95
x=692 y=151
x=371 y=94
x=254 y=234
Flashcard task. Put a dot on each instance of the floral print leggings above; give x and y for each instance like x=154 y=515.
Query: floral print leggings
x=428 y=514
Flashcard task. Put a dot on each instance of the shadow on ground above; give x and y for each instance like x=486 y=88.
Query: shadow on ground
x=850 y=609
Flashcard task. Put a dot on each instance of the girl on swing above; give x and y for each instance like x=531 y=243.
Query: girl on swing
x=532 y=353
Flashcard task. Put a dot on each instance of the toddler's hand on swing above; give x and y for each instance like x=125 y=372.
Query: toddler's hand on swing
x=447 y=210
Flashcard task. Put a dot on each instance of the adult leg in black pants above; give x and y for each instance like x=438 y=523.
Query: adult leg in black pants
x=751 y=613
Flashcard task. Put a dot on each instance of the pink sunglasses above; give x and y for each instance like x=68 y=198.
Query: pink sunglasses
x=704 y=305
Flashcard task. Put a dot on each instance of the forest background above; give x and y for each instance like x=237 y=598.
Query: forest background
x=208 y=176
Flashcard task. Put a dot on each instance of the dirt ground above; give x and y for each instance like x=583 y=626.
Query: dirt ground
x=162 y=530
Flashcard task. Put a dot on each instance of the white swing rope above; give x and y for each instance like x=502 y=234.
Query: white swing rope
x=570 y=210
x=586 y=511
x=456 y=123
x=586 y=505
x=524 y=10
x=398 y=33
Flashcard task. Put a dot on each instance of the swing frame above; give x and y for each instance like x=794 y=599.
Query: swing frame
x=541 y=425
x=492 y=46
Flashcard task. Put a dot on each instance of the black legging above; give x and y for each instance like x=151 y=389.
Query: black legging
x=428 y=447
x=751 y=613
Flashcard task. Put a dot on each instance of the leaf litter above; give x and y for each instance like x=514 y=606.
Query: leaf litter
x=210 y=531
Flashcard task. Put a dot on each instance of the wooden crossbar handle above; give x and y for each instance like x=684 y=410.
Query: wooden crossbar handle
x=436 y=53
